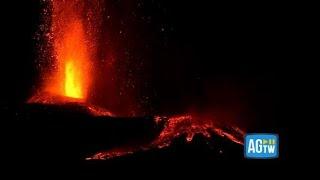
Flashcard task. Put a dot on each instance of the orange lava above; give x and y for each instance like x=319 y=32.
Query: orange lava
x=71 y=77
x=75 y=72
x=71 y=38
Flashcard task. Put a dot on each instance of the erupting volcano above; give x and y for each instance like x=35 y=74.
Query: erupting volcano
x=72 y=45
x=69 y=44
x=69 y=78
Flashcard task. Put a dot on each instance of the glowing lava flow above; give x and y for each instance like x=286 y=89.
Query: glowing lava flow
x=180 y=126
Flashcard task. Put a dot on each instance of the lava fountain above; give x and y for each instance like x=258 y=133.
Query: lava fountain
x=72 y=44
x=71 y=49
x=73 y=58
x=68 y=53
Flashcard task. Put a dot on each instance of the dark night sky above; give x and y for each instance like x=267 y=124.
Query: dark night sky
x=195 y=54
